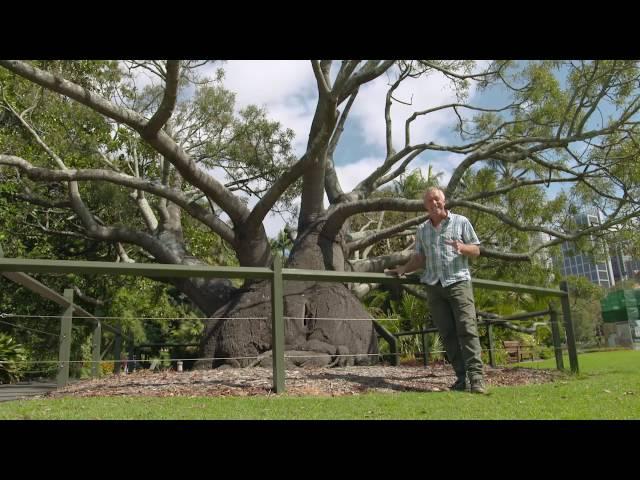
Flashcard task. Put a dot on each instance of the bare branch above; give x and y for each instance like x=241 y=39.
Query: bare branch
x=449 y=73
x=386 y=233
x=35 y=135
x=123 y=256
x=177 y=197
x=321 y=79
x=339 y=214
x=159 y=141
x=331 y=182
x=71 y=90
x=387 y=108
x=43 y=202
x=87 y=298
x=52 y=231
x=261 y=209
x=409 y=120
x=164 y=112
x=371 y=70
x=397 y=172
x=346 y=69
x=506 y=219
x=519 y=184
x=378 y=264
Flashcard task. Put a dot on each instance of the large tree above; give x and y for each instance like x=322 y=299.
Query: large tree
x=82 y=141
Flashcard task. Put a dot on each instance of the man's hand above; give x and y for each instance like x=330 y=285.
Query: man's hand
x=396 y=272
x=415 y=261
x=470 y=250
x=456 y=244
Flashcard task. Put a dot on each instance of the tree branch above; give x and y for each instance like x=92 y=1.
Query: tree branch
x=164 y=112
x=262 y=208
x=386 y=233
x=397 y=172
x=160 y=141
x=459 y=76
x=407 y=125
x=71 y=90
x=199 y=213
x=404 y=73
x=378 y=264
x=30 y=198
x=331 y=182
x=341 y=212
x=321 y=79
x=371 y=70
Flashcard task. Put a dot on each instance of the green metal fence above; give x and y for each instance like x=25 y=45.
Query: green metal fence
x=10 y=267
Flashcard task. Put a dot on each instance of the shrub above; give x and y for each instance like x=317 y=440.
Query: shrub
x=499 y=354
x=544 y=352
x=436 y=347
x=107 y=368
x=12 y=356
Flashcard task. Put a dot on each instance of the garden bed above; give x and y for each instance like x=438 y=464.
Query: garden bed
x=300 y=381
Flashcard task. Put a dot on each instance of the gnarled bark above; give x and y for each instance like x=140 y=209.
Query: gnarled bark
x=325 y=320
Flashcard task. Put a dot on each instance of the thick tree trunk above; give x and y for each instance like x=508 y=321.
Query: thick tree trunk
x=325 y=324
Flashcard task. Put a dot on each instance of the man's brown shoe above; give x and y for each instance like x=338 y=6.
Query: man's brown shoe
x=477 y=385
x=460 y=385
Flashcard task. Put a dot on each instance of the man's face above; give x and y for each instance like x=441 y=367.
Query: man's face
x=434 y=204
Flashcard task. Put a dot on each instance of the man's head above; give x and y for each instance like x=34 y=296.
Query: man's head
x=434 y=204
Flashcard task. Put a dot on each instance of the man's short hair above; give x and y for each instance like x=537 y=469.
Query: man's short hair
x=434 y=189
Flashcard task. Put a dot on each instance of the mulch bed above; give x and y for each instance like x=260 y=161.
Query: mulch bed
x=301 y=381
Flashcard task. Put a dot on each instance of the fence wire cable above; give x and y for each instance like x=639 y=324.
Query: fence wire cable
x=79 y=317
x=30 y=329
x=151 y=359
x=341 y=319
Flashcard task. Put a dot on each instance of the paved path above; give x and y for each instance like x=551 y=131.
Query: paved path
x=24 y=389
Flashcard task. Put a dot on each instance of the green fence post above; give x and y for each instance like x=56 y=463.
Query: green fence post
x=117 y=351
x=492 y=357
x=65 y=341
x=555 y=335
x=568 y=325
x=95 y=350
x=425 y=349
x=277 y=325
x=130 y=356
x=391 y=340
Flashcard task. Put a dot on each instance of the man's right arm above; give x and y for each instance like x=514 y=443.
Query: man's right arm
x=416 y=262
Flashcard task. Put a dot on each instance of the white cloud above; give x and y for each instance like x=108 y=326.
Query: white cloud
x=352 y=174
x=422 y=94
x=265 y=82
x=274 y=223
x=286 y=88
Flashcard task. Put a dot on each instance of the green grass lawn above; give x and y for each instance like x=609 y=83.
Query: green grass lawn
x=608 y=387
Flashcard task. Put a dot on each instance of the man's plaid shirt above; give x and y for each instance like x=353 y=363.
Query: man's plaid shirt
x=443 y=263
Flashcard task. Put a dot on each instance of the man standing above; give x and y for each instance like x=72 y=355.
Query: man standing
x=443 y=244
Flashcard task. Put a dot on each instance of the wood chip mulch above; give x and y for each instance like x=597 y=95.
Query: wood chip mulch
x=301 y=381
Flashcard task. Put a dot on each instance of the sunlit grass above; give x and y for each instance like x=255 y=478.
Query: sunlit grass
x=608 y=387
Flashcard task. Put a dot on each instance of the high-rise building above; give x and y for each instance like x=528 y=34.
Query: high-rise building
x=573 y=262
x=624 y=266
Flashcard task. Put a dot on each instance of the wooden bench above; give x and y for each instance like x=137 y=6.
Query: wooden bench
x=516 y=352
